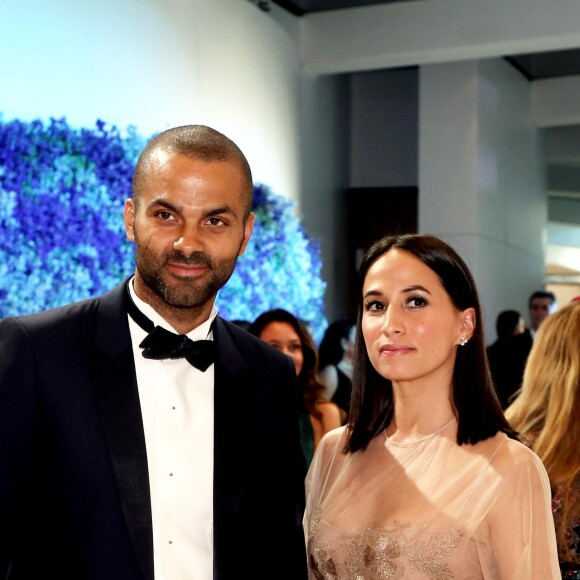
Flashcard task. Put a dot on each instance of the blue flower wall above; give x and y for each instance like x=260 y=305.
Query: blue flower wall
x=62 y=238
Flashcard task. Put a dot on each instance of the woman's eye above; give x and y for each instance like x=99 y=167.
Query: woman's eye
x=295 y=348
x=374 y=306
x=416 y=302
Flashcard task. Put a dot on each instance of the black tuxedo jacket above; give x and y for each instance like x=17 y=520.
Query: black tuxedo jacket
x=74 y=487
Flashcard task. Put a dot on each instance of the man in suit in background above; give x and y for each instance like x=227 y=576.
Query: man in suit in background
x=141 y=435
x=509 y=355
x=541 y=304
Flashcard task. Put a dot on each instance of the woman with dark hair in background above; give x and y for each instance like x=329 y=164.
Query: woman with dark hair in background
x=427 y=479
x=284 y=331
x=509 y=323
x=546 y=412
x=501 y=364
x=335 y=363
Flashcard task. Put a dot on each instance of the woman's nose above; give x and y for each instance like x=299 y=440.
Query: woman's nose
x=392 y=322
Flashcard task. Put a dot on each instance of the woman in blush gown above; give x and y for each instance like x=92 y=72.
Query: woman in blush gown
x=427 y=480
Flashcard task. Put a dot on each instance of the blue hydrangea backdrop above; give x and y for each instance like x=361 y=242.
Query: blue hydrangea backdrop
x=62 y=238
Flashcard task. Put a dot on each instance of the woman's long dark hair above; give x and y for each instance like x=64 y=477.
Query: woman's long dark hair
x=330 y=351
x=310 y=388
x=474 y=399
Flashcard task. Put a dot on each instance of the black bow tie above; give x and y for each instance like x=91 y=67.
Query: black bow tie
x=161 y=344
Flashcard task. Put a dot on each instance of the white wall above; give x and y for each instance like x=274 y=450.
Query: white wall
x=161 y=63
x=481 y=178
x=157 y=64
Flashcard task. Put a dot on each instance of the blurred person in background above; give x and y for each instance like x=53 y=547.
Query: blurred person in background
x=287 y=333
x=335 y=363
x=546 y=413
x=509 y=357
x=508 y=323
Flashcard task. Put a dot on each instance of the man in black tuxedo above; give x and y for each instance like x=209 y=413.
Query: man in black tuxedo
x=141 y=435
x=508 y=356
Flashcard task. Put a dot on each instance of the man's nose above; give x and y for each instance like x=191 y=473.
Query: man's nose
x=188 y=242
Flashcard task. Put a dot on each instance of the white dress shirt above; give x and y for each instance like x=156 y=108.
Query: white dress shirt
x=177 y=405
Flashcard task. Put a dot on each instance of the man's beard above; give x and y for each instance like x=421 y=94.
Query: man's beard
x=184 y=292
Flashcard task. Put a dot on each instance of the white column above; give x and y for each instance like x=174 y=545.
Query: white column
x=482 y=178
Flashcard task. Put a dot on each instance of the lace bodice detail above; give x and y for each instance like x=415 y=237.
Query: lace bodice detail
x=384 y=553
x=428 y=510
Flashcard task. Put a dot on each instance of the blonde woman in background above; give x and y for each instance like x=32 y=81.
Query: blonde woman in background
x=547 y=415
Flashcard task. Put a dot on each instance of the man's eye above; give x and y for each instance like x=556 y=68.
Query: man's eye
x=165 y=215
x=214 y=221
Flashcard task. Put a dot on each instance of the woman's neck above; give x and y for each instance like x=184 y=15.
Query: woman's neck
x=418 y=412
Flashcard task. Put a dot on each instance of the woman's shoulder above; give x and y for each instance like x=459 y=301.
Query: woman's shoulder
x=335 y=437
x=508 y=455
x=329 y=453
x=333 y=441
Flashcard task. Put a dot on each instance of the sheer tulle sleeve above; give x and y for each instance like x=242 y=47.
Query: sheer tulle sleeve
x=520 y=522
x=319 y=473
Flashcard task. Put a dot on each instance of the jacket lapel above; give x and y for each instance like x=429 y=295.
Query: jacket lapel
x=115 y=386
x=232 y=396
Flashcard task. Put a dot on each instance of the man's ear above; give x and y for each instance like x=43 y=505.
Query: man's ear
x=129 y=219
x=248 y=227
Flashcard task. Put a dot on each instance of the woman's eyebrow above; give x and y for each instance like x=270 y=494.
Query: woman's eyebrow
x=416 y=287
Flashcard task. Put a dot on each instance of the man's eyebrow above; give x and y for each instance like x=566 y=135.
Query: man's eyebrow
x=218 y=210
x=158 y=202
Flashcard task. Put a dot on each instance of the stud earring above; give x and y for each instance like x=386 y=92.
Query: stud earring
x=463 y=341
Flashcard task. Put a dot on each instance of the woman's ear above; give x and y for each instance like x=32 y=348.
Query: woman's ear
x=468 y=323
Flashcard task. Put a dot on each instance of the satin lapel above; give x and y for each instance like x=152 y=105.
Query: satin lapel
x=232 y=396
x=117 y=397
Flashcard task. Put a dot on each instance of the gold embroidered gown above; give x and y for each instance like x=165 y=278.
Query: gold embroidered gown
x=430 y=509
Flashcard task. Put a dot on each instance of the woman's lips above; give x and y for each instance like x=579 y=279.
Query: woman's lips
x=395 y=350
